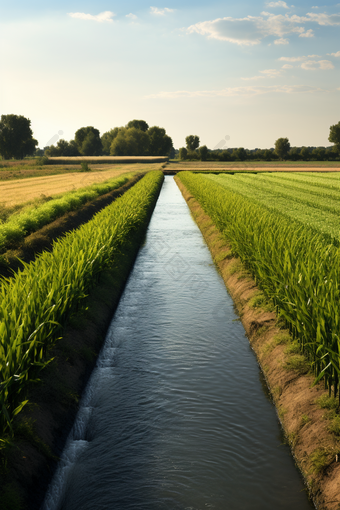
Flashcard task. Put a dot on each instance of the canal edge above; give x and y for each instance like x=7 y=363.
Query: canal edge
x=305 y=425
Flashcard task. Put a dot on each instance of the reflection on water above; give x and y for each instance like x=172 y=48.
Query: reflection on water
x=175 y=416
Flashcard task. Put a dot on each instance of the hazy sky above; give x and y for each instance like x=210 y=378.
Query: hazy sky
x=254 y=71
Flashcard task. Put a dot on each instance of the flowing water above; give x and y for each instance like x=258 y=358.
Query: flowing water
x=175 y=415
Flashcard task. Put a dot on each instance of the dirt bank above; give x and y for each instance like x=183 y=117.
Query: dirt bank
x=306 y=418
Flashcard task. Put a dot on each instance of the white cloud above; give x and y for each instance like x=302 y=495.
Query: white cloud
x=250 y=90
x=278 y=4
x=312 y=65
x=102 y=17
x=281 y=41
x=253 y=78
x=323 y=19
x=309 y=33
x=292 y=59
x=287 y=66
x=337 y=54
x=298 y=59
x=131 y=16
x=271 y=73
x=251 y=30
x=315 y=7
x=160 y=12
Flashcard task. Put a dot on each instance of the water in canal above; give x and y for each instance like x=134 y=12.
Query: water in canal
x=174 y=415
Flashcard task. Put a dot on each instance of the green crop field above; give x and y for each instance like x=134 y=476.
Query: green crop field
x=286 y=229
x=37 y=301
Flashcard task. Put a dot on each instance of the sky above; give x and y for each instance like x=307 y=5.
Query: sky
x=237 y=74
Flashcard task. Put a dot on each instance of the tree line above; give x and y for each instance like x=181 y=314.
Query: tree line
x=138 y=139
x=281 y=151
x=134 y=139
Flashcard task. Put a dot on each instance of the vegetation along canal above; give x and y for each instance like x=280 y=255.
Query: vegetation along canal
x=174 y=415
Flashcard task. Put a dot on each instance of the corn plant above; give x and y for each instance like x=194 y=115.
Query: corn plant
x=293 y=265
x=37 y=301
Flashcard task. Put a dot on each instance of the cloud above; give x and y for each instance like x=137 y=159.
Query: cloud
x=309 y=33
x=131 y=16
x=298 y=59
x=271 y=73
x=268 y=73
x=287 y=66
x=315 y=7
x=251 y=30
x=337 y=54
x=312 y=65
x=250 y=90
x=278 y=4
x=102 y=17
x=160 y=12
x=323 y=19
x=281 y=41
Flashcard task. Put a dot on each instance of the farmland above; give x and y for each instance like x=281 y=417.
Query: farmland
x=33 y=310
x=20 y=220
x=290 y=247
x=16 y=191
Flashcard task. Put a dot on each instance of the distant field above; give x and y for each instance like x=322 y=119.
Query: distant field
x=285 y=166
x=108 y=159
x=16 y=191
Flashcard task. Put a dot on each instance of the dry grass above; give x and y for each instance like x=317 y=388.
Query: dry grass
x=24 y=190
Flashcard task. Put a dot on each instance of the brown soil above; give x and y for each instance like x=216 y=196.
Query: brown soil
x=42 y=428
x=304 y=423
x=43 y=238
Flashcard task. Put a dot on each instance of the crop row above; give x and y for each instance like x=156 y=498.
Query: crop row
x=295 y=268
x=40 y=298
x=308 y=213
x=23 y=223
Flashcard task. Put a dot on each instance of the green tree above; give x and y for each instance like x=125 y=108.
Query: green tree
x=63 y=148
x=108 y=138
x=334 y=136
x=305 y=154
x=138 y=124
x=282 y=147
x=130 y=142
x=183 y=153
x=160 y=144
x=203 y=152
x=16 y=137
x=294 y=154
x=267 y=155
x=88 y=141
x=241 y=154
x=192 y=142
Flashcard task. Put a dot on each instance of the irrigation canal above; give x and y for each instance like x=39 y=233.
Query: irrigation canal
x=175 y=415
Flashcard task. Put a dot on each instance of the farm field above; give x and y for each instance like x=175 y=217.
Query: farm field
x=65 y=277
x=23 y=219
x=15 y=191
x=290 y=247
x=277 y=166
x=312 y=199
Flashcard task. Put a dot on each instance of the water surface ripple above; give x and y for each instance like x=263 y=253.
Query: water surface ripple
x=175 y=416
